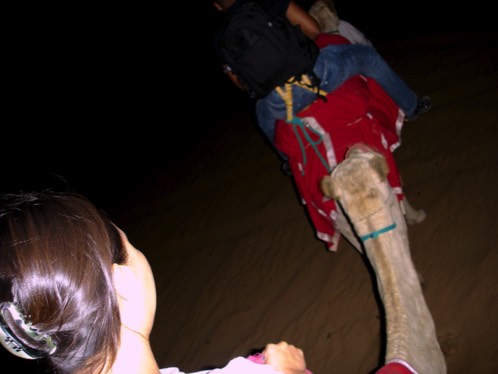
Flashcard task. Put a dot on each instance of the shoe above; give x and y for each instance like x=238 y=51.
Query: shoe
x=424 y=104
x=285 y=169
x=323 y=11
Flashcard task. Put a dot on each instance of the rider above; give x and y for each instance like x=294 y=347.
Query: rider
x=334 y=65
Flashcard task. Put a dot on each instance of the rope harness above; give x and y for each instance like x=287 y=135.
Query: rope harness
x=375 y=234
x=297 y=123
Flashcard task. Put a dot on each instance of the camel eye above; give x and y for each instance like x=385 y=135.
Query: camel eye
x=372 y=193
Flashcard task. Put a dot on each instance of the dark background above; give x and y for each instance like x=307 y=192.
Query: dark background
x=104 y=97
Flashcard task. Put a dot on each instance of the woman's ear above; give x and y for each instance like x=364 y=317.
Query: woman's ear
x=123 y=279
x=136 y=295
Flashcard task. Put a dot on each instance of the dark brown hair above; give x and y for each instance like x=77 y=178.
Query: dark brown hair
x=56 y=256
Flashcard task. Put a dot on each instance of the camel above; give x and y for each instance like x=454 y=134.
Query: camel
x=341 y=159
x=340 y=153
x=360 y=187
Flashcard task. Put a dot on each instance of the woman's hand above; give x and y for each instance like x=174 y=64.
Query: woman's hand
x=285 y=358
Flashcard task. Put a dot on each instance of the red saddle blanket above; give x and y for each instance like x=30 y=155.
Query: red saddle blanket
x=359 y=111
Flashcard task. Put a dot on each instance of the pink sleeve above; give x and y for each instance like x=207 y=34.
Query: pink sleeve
x=252 y=365
x=260 y=359
x=239 y=365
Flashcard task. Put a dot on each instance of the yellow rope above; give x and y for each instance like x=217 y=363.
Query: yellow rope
x=286 y=95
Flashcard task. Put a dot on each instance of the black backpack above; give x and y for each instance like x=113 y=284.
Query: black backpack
x=265 y=51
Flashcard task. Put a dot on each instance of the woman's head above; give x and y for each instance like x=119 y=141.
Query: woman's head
x=56 y=256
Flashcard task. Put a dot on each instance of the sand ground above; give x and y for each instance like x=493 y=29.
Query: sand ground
x=237 y=263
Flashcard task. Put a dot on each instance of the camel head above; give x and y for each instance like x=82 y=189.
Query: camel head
x=359 y=182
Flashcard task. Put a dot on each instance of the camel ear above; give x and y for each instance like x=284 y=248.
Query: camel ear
x=379 y=164
x=328 y=188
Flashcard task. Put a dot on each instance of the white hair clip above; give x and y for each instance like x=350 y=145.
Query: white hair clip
x=21 y=338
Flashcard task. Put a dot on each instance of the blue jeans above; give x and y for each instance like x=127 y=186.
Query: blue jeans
x=336 y=64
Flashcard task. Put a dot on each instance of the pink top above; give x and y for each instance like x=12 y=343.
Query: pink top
x=254 y=365
x=239 y=365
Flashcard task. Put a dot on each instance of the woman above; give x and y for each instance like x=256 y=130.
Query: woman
x=75 y=292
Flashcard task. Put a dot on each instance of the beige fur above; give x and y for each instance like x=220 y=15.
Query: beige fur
x=360 y=186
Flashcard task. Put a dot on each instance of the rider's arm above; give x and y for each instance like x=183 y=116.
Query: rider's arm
x=298 y=16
